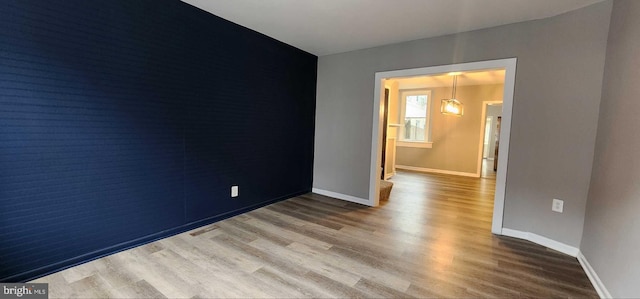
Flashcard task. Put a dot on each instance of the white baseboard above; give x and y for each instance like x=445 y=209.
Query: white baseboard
x=515 y=233
x=544 y=241
x=593 y=277
x=432 y=170
x=389 y=175
x=337 y=195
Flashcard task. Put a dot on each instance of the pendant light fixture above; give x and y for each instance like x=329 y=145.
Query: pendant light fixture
x=452 y=106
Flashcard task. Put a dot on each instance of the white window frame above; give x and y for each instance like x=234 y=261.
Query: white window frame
x=403 y=106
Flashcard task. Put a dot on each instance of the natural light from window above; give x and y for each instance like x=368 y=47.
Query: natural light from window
x=415 y=110
x=415 y=118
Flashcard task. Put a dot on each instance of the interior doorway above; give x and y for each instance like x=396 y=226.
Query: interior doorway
x=491 y=117
x=509 y=65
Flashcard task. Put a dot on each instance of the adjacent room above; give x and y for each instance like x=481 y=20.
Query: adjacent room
x=334 y=149
x=422 y=136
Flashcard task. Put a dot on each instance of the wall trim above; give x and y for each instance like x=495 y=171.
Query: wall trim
x=540 y=240
x=415 y=144
x=593 y=277
x=432 y=170
x=509 y=64
x=566 y=249
x=337 y=195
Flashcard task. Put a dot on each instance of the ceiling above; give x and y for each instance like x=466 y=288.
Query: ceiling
x=445 y=80
x=325 y=27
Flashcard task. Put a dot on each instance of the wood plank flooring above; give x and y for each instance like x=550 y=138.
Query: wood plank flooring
x=431 y=239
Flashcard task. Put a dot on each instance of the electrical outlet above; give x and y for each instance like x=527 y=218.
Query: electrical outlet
x=234 y=191
x=557 y=205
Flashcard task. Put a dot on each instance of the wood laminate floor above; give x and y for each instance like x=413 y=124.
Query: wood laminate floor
x=431 y=239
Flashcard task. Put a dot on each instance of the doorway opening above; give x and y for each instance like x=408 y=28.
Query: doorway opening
x=421 y=125
x=492 y=117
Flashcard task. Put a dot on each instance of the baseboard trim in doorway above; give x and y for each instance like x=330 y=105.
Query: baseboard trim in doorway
x=566 y=249
x=540 y=240
x=593 y=277
x=431 y=170
x=337 y=195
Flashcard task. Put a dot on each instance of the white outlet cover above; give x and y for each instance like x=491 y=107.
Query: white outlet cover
x=557 y=205
x=234 y=191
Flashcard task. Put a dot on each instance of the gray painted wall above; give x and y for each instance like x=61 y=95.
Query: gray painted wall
x=557 y=95
x=611 y=236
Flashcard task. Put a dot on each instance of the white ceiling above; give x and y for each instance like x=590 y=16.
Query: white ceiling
x=325 y=27
x=446 y=80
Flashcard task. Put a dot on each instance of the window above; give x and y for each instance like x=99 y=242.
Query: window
x=415 y=113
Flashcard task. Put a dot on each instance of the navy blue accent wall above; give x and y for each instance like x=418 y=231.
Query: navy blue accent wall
x=125 y=121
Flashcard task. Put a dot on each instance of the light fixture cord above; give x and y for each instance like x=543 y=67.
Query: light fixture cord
x=455 y=83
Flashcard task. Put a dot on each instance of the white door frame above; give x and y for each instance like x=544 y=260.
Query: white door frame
x=483 y=125
x=509 y=65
